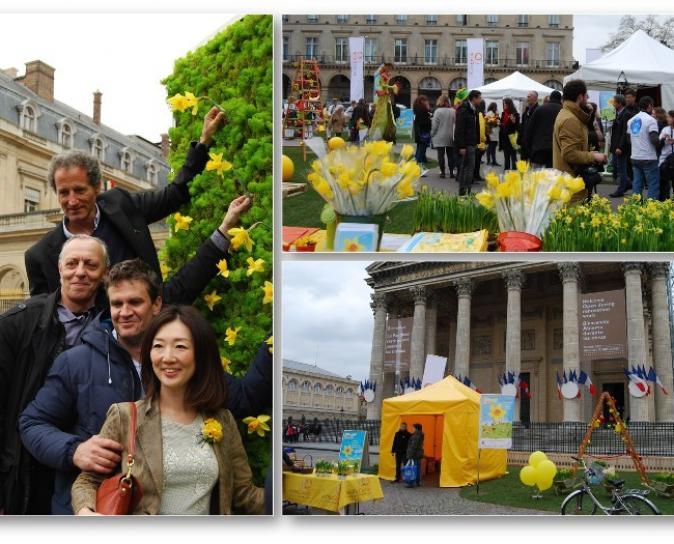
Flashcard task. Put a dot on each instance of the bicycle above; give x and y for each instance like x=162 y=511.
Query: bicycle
x=582 y=502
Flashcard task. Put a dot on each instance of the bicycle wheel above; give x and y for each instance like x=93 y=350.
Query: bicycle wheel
x=579 y=503
x=636 y=505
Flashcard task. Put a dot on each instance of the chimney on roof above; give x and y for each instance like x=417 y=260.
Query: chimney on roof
x=39 y=78
x=97 y=107
x=11 y=72
x=165 y=145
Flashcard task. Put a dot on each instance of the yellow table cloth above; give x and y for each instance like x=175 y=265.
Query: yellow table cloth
x=330 y=492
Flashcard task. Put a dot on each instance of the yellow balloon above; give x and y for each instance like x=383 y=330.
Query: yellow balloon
x=547 y=468
x=536 y=458
x=336 y=143
x=528 y=475
x=542 y=481
x=288 y=168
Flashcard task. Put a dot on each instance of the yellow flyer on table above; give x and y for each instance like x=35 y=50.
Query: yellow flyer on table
x=442 y=242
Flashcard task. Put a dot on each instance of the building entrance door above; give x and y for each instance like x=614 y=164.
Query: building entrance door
x=525 y=401
x=617 y=391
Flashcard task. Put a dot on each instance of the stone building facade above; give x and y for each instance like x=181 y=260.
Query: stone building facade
x=311 y=391
x=34 y=127
x=429 y=51
x=490 y=317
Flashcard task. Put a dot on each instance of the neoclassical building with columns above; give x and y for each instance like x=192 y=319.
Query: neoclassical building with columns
x=487 y=318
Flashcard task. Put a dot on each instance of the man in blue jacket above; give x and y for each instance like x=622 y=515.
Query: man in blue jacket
x=59 y=428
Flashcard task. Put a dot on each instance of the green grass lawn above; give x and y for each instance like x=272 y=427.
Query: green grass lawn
x=509 y=491
x=304 y=210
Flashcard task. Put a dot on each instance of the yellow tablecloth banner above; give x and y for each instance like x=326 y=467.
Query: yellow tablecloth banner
x=330 y=492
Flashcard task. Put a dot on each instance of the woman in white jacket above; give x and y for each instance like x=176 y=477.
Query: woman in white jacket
x=442 y=134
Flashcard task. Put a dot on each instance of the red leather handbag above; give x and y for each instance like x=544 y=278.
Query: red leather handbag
x=120 y=494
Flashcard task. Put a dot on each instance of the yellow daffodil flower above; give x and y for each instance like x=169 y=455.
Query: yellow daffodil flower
x=410 y=168
x=254 y=265
x=182 y=221
x=504 y=190
x=231 y=335
x=407 y=151
x=575 y=185
x=211 y=431
x=270 y=343
x=212 y=299
x=378 y=148
x=316 y=166
x=596 y=221
x=555 y=192
x=485 y=199
x=240 y=237
x=405 y=189
x=522 y=167
x=178 y=103
x=268 y=289
x=192 y=102
x=388 y=169
x=217 y=163
x=257 y=424
x=226 y=363
x=165 y=269
x=222 y=267
x=492 y=180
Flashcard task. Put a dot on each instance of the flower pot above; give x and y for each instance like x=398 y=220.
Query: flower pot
x=518 y=241
x=379 y=220
x=311 y=247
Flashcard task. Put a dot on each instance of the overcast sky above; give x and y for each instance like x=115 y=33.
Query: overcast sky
x=125 y=56
x=591 y=32
x=327 y=318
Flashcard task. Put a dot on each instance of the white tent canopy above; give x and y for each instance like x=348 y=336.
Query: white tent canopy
x=516 y=85
x=641 y=60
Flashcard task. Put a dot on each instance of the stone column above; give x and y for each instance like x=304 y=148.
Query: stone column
x=378 y=306
x=418 y=347
x=636 y=341
x=513 y=361
x=464 y=290
x=570 y=274
x=431 y=324
x=662 y=342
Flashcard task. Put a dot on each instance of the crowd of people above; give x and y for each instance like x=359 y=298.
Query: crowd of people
x=101 y=331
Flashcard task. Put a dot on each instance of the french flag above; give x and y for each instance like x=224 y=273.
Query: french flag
x=634 y=375
x=467 y=382
x=559 y=387
x=653 y=377
x=585 y=380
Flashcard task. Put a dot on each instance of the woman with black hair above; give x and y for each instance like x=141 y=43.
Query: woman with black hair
x=510 y=122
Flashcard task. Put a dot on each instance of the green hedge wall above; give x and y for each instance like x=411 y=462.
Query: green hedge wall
x=234 y=69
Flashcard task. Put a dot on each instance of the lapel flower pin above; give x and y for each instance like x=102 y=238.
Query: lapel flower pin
x=211 y=431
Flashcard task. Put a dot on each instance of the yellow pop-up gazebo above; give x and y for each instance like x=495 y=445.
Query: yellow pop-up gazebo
x=449 y=413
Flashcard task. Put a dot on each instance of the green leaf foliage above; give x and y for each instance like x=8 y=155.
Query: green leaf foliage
x=234 y=70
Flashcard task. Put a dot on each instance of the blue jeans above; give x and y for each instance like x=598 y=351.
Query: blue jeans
x=420 y=154
x=648 y=173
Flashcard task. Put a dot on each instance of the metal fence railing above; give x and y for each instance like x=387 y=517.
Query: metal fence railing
x=650 y=439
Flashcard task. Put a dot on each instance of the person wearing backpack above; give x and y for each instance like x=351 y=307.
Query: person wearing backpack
x=666 y=162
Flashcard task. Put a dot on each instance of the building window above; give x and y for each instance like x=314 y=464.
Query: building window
x=312 y=18
x=554 y=84
x=342 y=19
x=522 y=20
x=492 y=52
x=318 y=390
x=329 y=391
x=126 y=162
x=292 y=385
x=462 y=20
x=349 y=393
x=152 y=173
x=66 y=135
x=522 y=53
x=458 y=83
x=492 y=20
x=306 y=387
x=370 y=50
x=461 y=52
x=341 y=49
x=401 y=19
x=285 y=48
x=371 y=19
x=97 y=148
x=31 y=199
x=431 y=19
x=28 y=118
x=553 y=21
x=431 y=52
x=400 y=50
x=552 y=54
x=311 y=49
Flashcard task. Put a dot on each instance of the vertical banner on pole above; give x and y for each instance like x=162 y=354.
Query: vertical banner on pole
x=475 y=52
x=356 y=50
x=495 y=427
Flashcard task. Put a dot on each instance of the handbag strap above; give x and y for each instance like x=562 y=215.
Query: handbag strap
x=132 y=437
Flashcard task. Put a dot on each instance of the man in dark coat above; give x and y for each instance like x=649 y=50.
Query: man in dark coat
x=532 y=106
x=118 y=217
x=538 y=135
x=415 y=450
x=466 y=138
x=619 y=146
x=399 y=448
x=34 y=333
x=59 y=427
